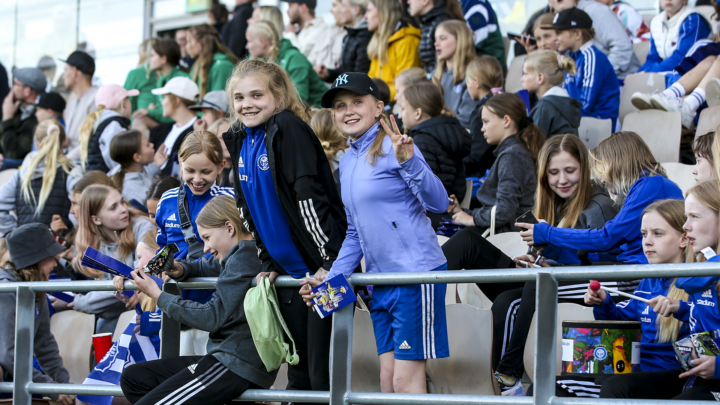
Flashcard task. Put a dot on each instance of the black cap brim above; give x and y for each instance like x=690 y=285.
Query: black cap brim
x=327 y=98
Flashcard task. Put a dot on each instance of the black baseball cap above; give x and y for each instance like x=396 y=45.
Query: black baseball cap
x=310 y=3
x=52 y=101
x=358 y=83
x=570 y=19
x=82 y=62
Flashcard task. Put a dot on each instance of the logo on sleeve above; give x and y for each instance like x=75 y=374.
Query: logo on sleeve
x=263 y=162
x=707 y=294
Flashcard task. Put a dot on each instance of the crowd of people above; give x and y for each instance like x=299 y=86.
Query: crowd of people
x=262 y=150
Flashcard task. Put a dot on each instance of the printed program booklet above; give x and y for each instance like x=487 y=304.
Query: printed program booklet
x=98 y=261
x=332 y=295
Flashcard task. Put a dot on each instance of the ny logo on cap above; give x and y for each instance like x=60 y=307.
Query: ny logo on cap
x=573 y=23
x=556 y=18
x=342 y=79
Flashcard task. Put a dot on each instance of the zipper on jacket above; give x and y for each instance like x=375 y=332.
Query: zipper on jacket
x=394 y=225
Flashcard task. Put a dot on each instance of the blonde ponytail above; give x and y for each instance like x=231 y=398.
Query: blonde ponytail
x=550 y=64
x=568 y=64
x=49 y=137
x=266 y=31
x=86 y=132
x=669 y=327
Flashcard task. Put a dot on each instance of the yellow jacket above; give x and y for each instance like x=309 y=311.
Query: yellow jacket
x=402 y=54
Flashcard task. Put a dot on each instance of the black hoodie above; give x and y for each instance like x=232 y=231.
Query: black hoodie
x=444 y=143
x=555 y=114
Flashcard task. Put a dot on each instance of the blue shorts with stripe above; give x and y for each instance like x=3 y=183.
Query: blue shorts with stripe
x=410 y=319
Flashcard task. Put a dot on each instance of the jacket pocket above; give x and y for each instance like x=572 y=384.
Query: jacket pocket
x=405 y=245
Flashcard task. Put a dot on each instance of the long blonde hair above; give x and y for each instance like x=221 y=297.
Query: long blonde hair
x=272 y=15
x=90 y=235
x=487 y=70
x=464 y=50
x=264 y=30
x=546 y=62
x=390 y=13
x=323 y=124
x=708 y=194
x=88 y=127
x=49 y=137
x=621 y=160
x=554 y=209
x=278 y=82
x=211 y=44
x=673 y=212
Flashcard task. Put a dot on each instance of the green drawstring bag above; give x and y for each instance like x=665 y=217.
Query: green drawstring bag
x=267 y=325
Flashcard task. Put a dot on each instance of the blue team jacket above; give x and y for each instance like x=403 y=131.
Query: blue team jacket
x=654 y=356
x=693 y=29
x=623 y=231
x=595 y=85
x=701 y=310
x=168 y=222
x=386 y=207
x=694 y=285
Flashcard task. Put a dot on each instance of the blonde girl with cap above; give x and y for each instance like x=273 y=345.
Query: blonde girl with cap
x=555 y=112
x=387 y=190
x=455 y=50
x=213 y=60
x=98 y=129
x=38 y=192
x=32 y=250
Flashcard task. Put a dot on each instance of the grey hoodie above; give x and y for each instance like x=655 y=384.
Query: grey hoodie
x=224 y=315
x=557 y=113
x=8 y=219
x=611 y=37
x=136 y=185
x=458 y=99
x=103 y=303
x=45 y=347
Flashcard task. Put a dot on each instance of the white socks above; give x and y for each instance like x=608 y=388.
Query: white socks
x=674 y=91
x=695 y=99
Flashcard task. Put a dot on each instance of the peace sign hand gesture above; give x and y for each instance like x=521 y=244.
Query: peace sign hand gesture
x=403 y=145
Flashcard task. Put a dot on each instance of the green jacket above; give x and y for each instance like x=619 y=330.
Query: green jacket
x=140 y=80
x=493 y=45
x=157 y=113
x=309 y=85
x=220 y=71
x=16 y=135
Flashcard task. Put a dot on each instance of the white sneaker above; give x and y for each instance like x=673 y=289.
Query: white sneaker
x=712 y=92
x=687 y=115
x=641 y=101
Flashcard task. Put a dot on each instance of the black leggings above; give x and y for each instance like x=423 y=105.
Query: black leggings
x=467 y=249
x=659 y=385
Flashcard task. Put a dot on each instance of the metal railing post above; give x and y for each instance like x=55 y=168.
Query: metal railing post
x=170 y=330
x=24 y=335
x=341 y=355
x=545 y=328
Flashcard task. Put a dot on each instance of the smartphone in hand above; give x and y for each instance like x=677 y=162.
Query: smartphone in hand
x=527 y=218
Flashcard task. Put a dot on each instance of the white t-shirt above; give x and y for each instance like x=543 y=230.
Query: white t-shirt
x=173 y=135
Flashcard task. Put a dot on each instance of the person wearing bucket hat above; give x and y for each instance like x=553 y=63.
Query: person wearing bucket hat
x=32 y=250
x=387 y=189
x=214 y=107
x=101 y=126
x=18 y=116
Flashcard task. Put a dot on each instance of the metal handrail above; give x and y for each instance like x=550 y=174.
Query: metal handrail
x=341 y=343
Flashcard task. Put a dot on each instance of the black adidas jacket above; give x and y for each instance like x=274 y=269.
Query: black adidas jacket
x=305 y=186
